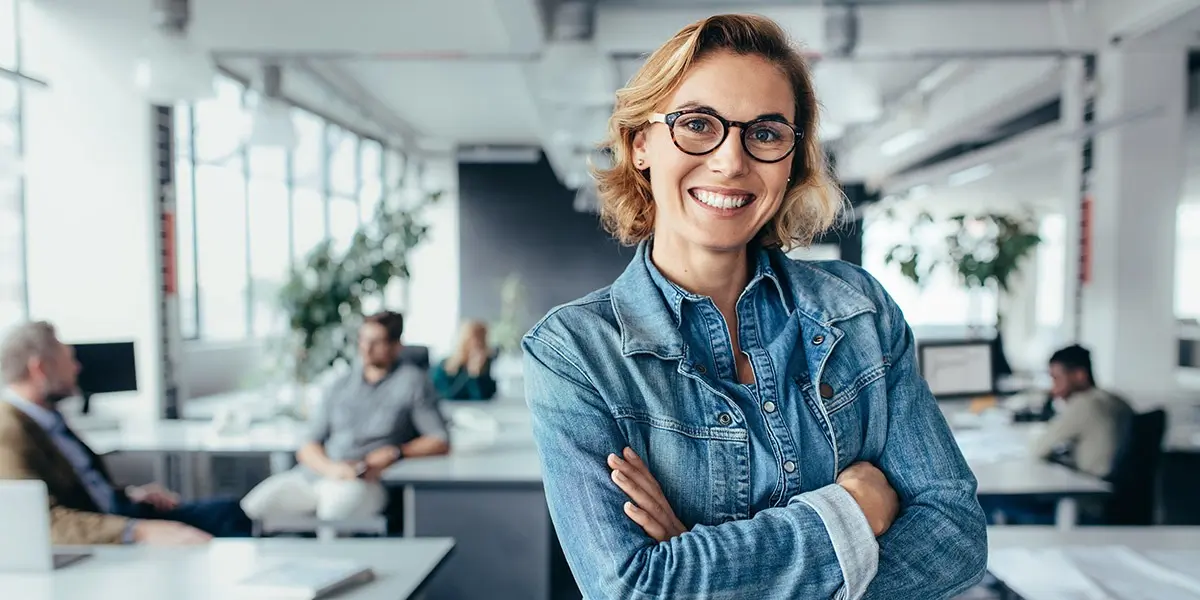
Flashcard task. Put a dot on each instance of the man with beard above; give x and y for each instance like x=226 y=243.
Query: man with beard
x=86 y=507
x=381 y=412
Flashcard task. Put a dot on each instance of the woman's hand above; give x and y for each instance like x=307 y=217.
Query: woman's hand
x=649 y=508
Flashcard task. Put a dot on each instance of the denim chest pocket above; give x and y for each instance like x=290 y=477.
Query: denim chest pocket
x=703 y=470
x=845 y=396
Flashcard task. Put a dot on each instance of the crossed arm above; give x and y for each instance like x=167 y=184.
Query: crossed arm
x=821 y=544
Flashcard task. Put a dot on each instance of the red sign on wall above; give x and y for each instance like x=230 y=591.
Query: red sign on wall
x=168 y=252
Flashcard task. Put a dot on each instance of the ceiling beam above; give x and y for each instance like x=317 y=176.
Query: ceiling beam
x=1123 y=20
x=885 y=31
x=986 y=96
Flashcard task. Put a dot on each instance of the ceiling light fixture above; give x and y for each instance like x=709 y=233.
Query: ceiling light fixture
x=171 y=69
x=272 y=125
x=969 y=175
x=902 y=141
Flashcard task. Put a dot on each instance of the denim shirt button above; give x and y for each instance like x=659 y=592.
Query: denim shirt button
x=724 y=419
x=826 y=391
x=789 y=466
x=769 y=406
x=700 y=368
x=818 y=340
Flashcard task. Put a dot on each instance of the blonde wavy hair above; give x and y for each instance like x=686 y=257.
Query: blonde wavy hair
x=812 y=202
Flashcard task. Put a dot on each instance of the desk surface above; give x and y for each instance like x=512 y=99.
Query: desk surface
x=502 y=452
x=197 y=436
x=1115 y=563
x=207 y=572
x=1000 y=459
x=1137 y=538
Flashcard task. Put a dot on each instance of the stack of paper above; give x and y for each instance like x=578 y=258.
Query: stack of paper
x=305 y=579
x=1098 y=573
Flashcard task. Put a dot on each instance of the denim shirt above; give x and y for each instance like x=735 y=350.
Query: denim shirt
x=832 y=354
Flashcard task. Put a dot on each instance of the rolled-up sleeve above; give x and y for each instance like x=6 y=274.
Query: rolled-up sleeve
x=938 y=546
x=318 y=428
x=427 y=415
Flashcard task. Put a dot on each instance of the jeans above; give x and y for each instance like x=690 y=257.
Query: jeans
x=219 y=517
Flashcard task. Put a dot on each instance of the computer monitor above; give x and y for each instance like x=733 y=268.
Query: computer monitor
x=957 y=368
x=105 y=368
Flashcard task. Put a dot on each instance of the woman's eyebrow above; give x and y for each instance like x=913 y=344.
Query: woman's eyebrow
x=697 y=106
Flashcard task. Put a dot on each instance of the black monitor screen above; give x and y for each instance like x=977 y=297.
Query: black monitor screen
x=106 y=368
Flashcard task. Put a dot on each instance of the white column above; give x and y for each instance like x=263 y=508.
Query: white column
x=1128 y=316
x=1074 y=96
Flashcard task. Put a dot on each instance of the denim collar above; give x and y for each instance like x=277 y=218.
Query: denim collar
x=648 y=314
x=675 y=295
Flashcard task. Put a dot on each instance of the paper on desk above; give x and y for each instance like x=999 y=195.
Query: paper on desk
x=1098 y=573
x=1132 y=576
x=1043 y=575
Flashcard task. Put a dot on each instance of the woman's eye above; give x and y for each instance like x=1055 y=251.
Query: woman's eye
x=765 y=135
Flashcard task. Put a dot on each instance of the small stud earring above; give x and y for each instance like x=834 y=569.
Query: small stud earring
x=640 y=162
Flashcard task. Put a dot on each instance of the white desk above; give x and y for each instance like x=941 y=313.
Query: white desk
x=1028 y=581
x=1000 y=459
x=487 y=494
x=211 y=572
x=183 y=449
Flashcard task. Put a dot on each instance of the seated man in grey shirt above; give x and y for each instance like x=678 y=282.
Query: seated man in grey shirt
x=381 y=412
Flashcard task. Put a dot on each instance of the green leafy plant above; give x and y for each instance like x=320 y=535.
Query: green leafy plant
x=324 y=297
x=507 y=330
x=982 y=250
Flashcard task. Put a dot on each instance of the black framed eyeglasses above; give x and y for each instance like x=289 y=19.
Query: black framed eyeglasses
x=768 y=139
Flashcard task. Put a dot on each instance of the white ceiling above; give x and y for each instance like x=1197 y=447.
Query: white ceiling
x=459 y=71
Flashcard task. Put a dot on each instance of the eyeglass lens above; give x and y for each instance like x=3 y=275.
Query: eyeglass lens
x=700 y=133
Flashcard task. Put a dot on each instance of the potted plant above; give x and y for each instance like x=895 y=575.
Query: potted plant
x=506 y=333
x=984 y=251
x=324 y=297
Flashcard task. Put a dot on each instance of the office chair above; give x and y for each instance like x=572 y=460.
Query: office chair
x=415 y=355
x=1134 y=476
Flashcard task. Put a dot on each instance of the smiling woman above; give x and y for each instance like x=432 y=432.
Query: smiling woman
x=720 y=399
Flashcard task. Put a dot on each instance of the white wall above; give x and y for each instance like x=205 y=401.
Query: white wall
x=433 y=314
x=89 y=186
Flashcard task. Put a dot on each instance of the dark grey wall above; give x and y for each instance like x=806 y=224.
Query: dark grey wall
x=517 y=218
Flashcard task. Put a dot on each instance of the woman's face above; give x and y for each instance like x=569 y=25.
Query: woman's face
x=720 y=200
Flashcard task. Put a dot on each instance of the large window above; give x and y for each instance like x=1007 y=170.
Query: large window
x=13 y=307
x=1187 y=262
x=1052 y=270
x=248 y=216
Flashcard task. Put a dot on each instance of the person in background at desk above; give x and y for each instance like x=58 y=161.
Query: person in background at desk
x=85 y=506
x=1090 y=425
x=1085 y=432
x=381 y=412
x=466 y=374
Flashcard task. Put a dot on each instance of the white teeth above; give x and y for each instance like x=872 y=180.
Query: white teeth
x=720 y=200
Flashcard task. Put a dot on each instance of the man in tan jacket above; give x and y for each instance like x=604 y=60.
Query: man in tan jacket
x=1091 y=426
x=85 y=507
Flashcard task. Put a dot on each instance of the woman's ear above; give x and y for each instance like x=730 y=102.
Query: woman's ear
x=639 y=157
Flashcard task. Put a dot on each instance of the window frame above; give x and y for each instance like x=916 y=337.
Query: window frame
x=324 y=188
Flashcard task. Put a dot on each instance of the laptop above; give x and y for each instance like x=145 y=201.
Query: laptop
x=25 y=530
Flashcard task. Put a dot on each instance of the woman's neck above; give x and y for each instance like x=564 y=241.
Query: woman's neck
x=719 y=275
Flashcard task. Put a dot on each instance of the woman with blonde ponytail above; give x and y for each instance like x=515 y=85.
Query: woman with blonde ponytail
x=466 y=373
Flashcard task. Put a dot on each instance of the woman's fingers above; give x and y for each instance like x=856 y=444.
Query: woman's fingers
x=633 y=459
x=639 y=473
x=652 y=527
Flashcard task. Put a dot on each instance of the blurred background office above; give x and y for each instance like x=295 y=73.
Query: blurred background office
x=206 y=198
